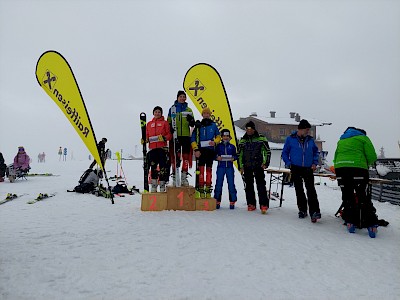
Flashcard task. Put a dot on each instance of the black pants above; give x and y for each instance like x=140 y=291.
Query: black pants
x=249 y=175
x=207 y=157
x=158 y=157
x=300 y=174
x=357 y=205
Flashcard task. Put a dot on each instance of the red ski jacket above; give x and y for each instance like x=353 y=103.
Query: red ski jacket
x=154 y=129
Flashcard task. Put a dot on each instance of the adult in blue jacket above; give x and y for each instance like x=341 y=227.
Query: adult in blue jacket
x=300 y=154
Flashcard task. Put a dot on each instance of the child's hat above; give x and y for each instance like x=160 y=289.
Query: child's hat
x=157 y=108
x=207 y=110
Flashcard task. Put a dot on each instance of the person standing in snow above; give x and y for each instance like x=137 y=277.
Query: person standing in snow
x=254 y=157
x=181 y=146
x=101 y=147
x=353 y=156
x=226 y=155
x=158 y=134
x=204 y=150
x=3 y=168
x=300 y=154
x=60 y=152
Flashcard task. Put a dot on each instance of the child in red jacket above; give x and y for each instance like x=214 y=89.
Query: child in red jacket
x=157 y=135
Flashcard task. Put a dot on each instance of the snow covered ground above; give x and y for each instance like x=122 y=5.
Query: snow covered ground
x=75 y=246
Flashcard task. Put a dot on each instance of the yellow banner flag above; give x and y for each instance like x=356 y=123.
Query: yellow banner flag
x=55 y=76
x=205 y=88
x=118 y=155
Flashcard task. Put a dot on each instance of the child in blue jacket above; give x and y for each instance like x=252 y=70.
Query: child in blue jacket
x=204 y=149
x=226 y=154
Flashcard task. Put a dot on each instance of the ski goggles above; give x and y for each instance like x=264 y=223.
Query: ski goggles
x=21 y=149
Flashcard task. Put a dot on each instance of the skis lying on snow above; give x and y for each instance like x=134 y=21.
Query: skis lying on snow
x=41 y=197
x=41 y=174
x=10 y=197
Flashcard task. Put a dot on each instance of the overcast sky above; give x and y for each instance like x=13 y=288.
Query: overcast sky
x=338 y=61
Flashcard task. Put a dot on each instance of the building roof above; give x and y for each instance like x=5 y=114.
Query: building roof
x=273 y=146
x=289 y=121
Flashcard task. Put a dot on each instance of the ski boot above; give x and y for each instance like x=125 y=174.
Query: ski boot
x=173 y=180
x=232 y=205
x=251 y=207
x=154 y=185
x=264 y=209
x=11 y=196
x=200 y=193
x=208 y=191
x=315 y=216
x=162 y=186
x=351 y=228
x=302 y=214
x=372 y=231
x=184 y=180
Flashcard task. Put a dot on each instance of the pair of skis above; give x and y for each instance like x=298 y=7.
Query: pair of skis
x=10 y=196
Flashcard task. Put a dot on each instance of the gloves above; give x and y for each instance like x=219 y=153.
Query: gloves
x=197 y=124
x=190 y=120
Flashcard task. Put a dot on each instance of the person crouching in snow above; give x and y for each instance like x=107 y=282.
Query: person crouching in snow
x=204 y=150
x=157 y=135
x=226 y=154
x=254 y=156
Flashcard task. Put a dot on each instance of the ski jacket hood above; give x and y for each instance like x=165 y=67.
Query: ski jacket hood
x=350 y=133
x=301 y=152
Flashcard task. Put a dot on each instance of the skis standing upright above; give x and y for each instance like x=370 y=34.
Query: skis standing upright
x=197 y=183
x=143 y=123
x=177 y=179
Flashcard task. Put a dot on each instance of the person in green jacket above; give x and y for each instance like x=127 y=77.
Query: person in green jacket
x=254 y=156
x=180 y=147
x=353 y=156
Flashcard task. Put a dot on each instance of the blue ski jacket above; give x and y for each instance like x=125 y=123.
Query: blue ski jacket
x=226 y=149
x=298 y=153
x=207 y=132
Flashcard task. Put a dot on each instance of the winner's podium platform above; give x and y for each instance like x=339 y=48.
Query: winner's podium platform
x=176 y=198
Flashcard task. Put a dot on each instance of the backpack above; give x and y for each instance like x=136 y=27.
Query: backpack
x=84 y=176
x=84 y=188
x=120 y=188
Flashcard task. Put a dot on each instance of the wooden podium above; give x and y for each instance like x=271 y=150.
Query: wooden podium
x=176 y=198
x=154 y=201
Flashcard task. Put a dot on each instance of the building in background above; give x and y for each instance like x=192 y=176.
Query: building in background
x=276 y=129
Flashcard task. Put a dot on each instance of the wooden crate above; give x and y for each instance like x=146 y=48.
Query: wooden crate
x=181 y=198
x=154 y=201
x=207 y=204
